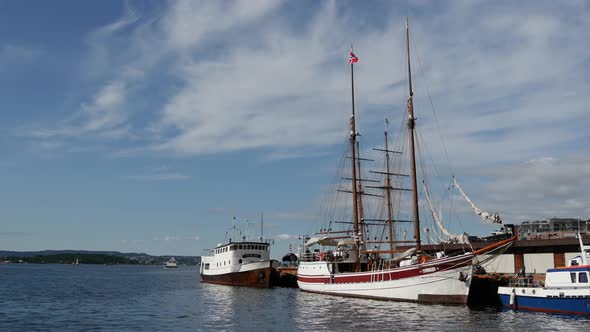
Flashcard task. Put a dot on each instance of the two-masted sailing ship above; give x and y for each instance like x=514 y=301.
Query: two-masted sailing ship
x=244 y=262
x=371 y=258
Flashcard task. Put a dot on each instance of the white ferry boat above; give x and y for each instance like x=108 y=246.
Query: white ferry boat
x=244 y=263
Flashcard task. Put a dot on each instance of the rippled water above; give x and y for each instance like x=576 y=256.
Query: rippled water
x=140 y=298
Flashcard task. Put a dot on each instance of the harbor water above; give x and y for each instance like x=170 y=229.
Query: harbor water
x=150 y=298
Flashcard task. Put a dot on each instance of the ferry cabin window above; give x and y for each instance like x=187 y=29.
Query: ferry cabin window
x=233 y=247
x=573 y=276
x=240 y=247
x=583 y=277
x=206 y=266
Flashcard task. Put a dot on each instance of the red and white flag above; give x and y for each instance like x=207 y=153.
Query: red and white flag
x=353 y=58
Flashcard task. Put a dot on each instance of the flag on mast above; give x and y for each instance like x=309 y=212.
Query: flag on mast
x=353 y=58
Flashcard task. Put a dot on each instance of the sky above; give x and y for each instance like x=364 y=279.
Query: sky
x=147 y=126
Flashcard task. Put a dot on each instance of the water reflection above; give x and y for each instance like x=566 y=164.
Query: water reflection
x=120 y=298
x=239 y=308
x=322 y=312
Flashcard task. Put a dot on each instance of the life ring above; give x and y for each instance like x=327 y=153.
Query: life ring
x=423 y=259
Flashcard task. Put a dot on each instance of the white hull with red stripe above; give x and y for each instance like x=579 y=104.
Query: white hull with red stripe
x=444 y=280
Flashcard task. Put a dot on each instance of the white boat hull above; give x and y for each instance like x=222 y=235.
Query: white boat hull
x=440 y=281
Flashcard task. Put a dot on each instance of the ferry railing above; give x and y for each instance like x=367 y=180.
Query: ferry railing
x=207 y=252
x=308 y=257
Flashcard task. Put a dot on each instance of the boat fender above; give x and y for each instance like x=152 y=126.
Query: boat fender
x=513 y=298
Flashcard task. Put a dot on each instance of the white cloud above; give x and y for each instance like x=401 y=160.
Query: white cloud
x=285 y=237
x=189 y=22
x=497 y=85
x=509 y=83
x=177 y=238
x=102 y=116
x=537 y=190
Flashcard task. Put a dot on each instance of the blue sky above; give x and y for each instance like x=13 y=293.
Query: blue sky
x=148 y=125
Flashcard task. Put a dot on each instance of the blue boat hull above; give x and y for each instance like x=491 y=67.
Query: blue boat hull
x=575 y=306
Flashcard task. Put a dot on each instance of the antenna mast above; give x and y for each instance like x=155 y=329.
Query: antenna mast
x=261 y=226
x=233 y=224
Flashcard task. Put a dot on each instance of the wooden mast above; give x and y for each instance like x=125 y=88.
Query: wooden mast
x=388 y=197
x=355 y=211
x=359 y=191
x=411 y=125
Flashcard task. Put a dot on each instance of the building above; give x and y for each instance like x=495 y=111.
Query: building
x=553 y=228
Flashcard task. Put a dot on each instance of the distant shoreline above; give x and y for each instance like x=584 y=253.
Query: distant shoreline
x=88 y=257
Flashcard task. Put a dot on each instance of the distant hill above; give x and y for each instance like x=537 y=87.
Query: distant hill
x=4 y=253
x=93 y=257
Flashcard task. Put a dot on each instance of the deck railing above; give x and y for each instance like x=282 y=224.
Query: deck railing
x=525 y=282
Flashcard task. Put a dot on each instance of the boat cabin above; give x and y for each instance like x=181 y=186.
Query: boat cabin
x=235 y=253
x=568 y=277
